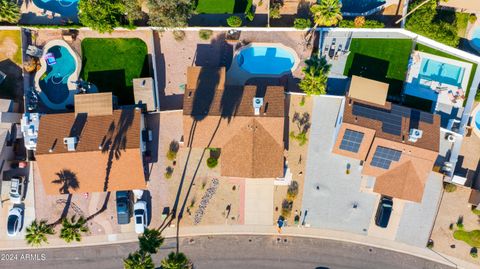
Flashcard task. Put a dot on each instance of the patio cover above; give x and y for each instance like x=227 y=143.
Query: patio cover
x=368 y=90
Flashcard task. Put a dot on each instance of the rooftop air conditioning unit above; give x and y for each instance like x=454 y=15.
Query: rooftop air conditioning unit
x=414 y=135
x=451 y=138
x=70 y=142
x=257 y=104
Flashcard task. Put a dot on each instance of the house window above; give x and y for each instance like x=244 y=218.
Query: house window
x=383 y=157
x=351 y=140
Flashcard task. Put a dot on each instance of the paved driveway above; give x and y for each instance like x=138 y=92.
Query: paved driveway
x=332 y=198
x=258 y=201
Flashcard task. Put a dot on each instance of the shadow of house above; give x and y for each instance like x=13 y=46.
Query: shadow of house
x=113 y=81
x=12 y=86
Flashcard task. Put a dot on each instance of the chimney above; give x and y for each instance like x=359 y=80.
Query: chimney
x=257 y=104
x=414 y=135
x=71 y=142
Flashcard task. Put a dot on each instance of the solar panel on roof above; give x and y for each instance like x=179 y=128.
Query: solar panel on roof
x=383 y=157
x=391 y=123
x=351 y=140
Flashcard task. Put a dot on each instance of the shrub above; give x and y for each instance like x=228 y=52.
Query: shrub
x=472 y=18
x=234 y=21
x=168 y=172
x=172 y=150
x=292 y=191
x=301 y=24
x=449 y=187
x=286 y=208
x=205 y=34
x=300 y=137
x=212 y=162
x=178 y=35
x=460 y=226
x=475 y=211
x=359 y=21
x=474 y=252
x=472 y=238
x=275 y=11
x=366 y=24
x=249 y=11
x=302 y=102
x=430 y=244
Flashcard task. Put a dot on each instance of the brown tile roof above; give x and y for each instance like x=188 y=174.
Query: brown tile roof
x=94 y=104
x=214 y=116
x=401 y=182
x=431 y=130
x=108 y=148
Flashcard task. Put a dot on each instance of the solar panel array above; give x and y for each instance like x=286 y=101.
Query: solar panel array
x=392 y=119
x=351 y=140
x=383 y=157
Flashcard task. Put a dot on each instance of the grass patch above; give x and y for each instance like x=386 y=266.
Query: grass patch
x=472 y=238
x=433 y=51
x=112 y=63
x=383 y=60
x=462 y=22
x=222 y=6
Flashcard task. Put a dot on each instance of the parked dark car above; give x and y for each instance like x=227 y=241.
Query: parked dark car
x=124 y=204
x=383 y=212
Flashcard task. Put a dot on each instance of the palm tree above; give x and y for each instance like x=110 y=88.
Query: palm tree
x=37 y=233
x=138 y=260
x=9 y=11
x=316 y=76
x=326 y=13
x=72 y=229
x=176 y=261
x=150 y=241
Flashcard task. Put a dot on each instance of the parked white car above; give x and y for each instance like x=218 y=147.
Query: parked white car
x=16 y=190
x=140 y=216
x=14 y=221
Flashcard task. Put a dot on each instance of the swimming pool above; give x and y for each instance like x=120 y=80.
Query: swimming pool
x=267 y=59
x=477 y=119
x=66 y=8
x=360 y=6
x=475 y=39
x=441 y=72
x=54 y=82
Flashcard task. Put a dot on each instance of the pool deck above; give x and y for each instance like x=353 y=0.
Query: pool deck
x=448 y=94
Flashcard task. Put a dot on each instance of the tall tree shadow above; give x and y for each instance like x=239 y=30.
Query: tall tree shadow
x=67 y=180
x=116 y=140
x=102 y=209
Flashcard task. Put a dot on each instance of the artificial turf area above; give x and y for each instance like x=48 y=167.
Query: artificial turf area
x=222 y=6
x=112 y=63
x=383 y=60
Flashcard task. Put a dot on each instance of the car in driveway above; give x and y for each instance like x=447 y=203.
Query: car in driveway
x=123 y=206
x=140 y=216
x=14 y=221
x=384 y=211
x=16 y=190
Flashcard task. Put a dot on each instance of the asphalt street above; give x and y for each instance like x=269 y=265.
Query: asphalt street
x=220 y=252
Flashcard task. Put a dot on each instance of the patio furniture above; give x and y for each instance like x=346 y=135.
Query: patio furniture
x=34 y=51
x=50 y=59
x=339 y=50
x=331 y=52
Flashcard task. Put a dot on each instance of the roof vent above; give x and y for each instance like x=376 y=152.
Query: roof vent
x=257 y=104
x=414 y=135
x=71 y=142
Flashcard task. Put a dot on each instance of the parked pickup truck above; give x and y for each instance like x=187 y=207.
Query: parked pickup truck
x=124 y=203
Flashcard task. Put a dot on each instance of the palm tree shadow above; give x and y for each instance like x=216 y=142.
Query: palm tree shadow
x=68 y=180
x=102 y=209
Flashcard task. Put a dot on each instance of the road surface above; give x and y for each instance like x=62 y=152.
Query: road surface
x=220 y=252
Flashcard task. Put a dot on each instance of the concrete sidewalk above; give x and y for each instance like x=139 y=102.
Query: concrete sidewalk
x=190 y=231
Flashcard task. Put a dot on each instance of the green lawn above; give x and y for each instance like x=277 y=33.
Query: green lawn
x=433 y=51
x=383 y=60
x=112 y=63
x=222 y=6
x=472 y=238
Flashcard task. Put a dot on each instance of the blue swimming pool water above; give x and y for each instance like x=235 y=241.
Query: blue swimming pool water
x=441 y=72
x=66 y=8
x=360 y=6
x=475 y=41
x=54 y=82
x=477 y=119
x=267 y=60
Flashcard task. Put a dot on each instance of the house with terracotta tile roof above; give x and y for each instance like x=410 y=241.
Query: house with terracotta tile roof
x=397 y=145
x=245 y=123
x=95 y=149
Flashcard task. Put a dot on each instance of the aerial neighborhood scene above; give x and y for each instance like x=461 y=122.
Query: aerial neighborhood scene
x=183 y=134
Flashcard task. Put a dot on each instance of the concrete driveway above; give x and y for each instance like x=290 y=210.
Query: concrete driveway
x=258 y=201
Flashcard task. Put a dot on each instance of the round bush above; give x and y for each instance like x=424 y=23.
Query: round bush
x=205 y=34
x=449 y=187
x=212 y=162
x=472 y=18
x=234 y=21
x=302 y=23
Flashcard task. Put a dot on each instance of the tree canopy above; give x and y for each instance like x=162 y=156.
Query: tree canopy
x=316 y=76
x=101 y=15
x=9 y=11
x=326 y=13
x=169 y=13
